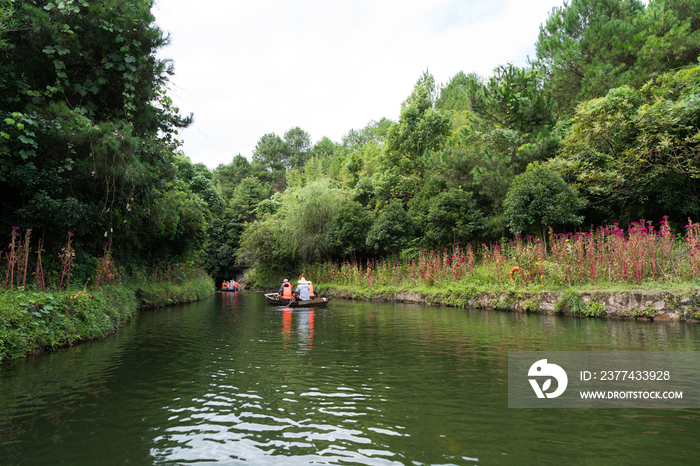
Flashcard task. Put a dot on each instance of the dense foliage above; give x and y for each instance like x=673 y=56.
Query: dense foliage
x=601 y=127
x=88 y=135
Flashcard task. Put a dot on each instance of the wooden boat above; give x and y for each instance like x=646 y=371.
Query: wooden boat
x=275 y=298
x=229 y=286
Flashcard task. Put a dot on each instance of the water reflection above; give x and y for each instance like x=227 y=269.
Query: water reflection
x=233 y=381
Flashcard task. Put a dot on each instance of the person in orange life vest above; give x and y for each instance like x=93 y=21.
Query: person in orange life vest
x=312 y=293
x=286 y=289
x=235 y=285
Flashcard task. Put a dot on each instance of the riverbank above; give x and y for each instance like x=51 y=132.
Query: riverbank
x=632 y=304
x=32 y=321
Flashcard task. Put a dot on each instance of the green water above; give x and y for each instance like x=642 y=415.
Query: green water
x=233 y=381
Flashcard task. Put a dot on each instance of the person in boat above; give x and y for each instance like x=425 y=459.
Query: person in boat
x=286 y=290
x=312 y=293
x=302 y=290
x=235 y=285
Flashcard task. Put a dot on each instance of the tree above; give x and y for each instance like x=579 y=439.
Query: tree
x=347 y=230
x=373 y=132
x=515 y=98
x=87 y=127
x=632 y=150
x=453 y=217
x=199 y=180
x=299 y=145
x=391 y=231
x=296 y=231
x=671 y=36
x=587 y=47
x=7 y=22
x=540 y=198
x=457 y=94
x=271 y=153
x=227 y=228
x=421 y=129
x=227 y=176
x=324 y=148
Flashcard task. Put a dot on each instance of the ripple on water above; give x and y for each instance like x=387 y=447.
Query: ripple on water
x=233 y=381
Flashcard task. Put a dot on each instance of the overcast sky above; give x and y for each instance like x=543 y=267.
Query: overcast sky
x=246 y=68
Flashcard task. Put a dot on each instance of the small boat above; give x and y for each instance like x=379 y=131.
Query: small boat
x=229 y=286
x=275 y=298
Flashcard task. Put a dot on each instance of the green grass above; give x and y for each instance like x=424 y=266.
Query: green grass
x=32 y=321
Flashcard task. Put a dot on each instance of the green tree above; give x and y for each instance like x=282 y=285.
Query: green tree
x=199 y=180
x=453 y=217
x=87 y=127
x=373 y=132
x=227 y=229
x=391 y=232
x=299 y=145
x=7 y=22
x=421 y=129
x=587 y=47
x=671 y=36
x=515 y=98
x=271 y=152
x=457 y=95
x=632 y=150
x=540 y=198
x=347 y=230
x=226 y=177
x=296 y=232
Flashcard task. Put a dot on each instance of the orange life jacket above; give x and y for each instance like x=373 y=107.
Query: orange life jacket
x=286 y=290
x=311 y=290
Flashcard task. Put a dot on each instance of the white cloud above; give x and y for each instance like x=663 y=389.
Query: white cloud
x=250 y=68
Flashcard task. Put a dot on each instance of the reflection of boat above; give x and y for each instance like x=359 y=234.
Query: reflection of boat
x=275 y=298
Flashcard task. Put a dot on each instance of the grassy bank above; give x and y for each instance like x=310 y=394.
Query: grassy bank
x=607 y=271
x=680 y=303
x=32 y=321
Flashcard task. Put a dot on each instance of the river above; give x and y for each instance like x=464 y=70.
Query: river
x=231 y=380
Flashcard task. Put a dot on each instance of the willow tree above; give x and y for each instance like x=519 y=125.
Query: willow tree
x=297 y=230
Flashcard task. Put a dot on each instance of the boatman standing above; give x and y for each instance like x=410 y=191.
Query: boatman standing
x=303 y=289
